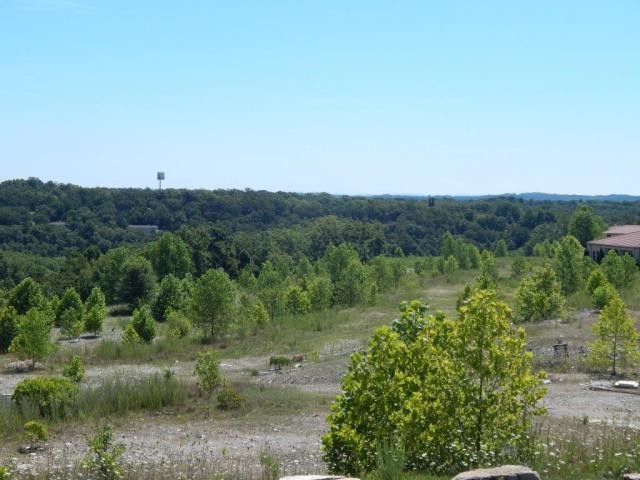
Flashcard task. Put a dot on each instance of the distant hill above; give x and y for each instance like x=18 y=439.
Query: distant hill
x=535 y=196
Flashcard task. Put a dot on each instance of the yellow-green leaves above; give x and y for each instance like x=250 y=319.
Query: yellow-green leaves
x=449 y=394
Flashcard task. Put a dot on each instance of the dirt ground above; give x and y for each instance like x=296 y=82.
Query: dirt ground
x=294 y=439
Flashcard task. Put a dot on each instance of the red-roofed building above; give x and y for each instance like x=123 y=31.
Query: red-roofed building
x=621 y=238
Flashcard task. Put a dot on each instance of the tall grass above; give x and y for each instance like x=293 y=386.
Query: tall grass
x=109 y=351
x=114 y=396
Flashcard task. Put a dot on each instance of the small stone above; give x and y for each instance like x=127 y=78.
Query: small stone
x=631 y=476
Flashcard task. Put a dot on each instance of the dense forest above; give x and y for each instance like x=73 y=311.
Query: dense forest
x=48 y=227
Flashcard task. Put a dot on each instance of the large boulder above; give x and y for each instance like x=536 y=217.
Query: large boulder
x=505 y=472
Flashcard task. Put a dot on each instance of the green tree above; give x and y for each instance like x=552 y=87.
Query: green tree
x=352 y=285
x=74 y=370
x=8 y=327
x=501 y=248
x=109 y=271
x=519 y=266
x=584 y=225
x=320 y=293
x=446 y=393
x=297 y=300
x=488 y=265
x=138 y=282
x=207 y=369
x=603 y=294
x=451 y=265
x=26 y=295
x=212 y=303
x=596 y=279
x=170 y=297
x=539 y=296
x=33 y=338
x=102 y=460
x=170 y=255
x=70 y=313
x=144 y=324
x=616 y=345
x=381 y=272
x=620 y=270
x=567 y=263
x=95 y=311
x=338 y=259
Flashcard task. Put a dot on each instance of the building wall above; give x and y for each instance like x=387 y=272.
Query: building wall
x=597 y=252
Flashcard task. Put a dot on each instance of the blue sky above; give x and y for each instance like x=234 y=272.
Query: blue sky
x=427 y=97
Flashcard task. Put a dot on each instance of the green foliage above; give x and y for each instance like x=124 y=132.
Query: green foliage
x=25 y=296
x=170 y=296
x=351 y=287
x=539 y=296
x=519 y=266
x=8 y=327
x=501 y=249
x=130 y=335
x=70 y=313
x=596 y=279
x=5 y=473
x=51 y=397
x=170 y=255
x=74 y=370
x=602 y=295
x=101 y=462
x=178 y=324
x=620 y=270
x=455 y=396
x=35 y=433
x=488 y=265
x=567 y=262
x=212 y=302
x=207 y=369
x=616 y=345
x=95 y=311
x=412 y=320
x=255 y=314
x=138 y=282
x=144 y=324
x=381 y=273
x=584 y=225
x=279 y=361
x=450 y=265
x=320 y=291
x=297 y=300
x=230 y=399
x=32 y=340
x=109 y=271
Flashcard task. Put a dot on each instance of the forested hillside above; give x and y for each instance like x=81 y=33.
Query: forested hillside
x=50 y=227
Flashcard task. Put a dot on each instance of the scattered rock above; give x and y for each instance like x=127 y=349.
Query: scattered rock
x=505 y=472
x=316 y=477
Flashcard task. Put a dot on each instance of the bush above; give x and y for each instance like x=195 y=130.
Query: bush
x=35 y=433
x=144 y=324
x=208 y=369
x=130 y=336
x=50 y=396
x=178 y=323
x=279 y=361
x=74 y=370
x=102 y=460
x=230 y=399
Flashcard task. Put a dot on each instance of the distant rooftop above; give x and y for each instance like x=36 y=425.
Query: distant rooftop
x=628 y=240
x=622 y=230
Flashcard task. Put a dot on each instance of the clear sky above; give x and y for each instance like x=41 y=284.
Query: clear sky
x=345 y=96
